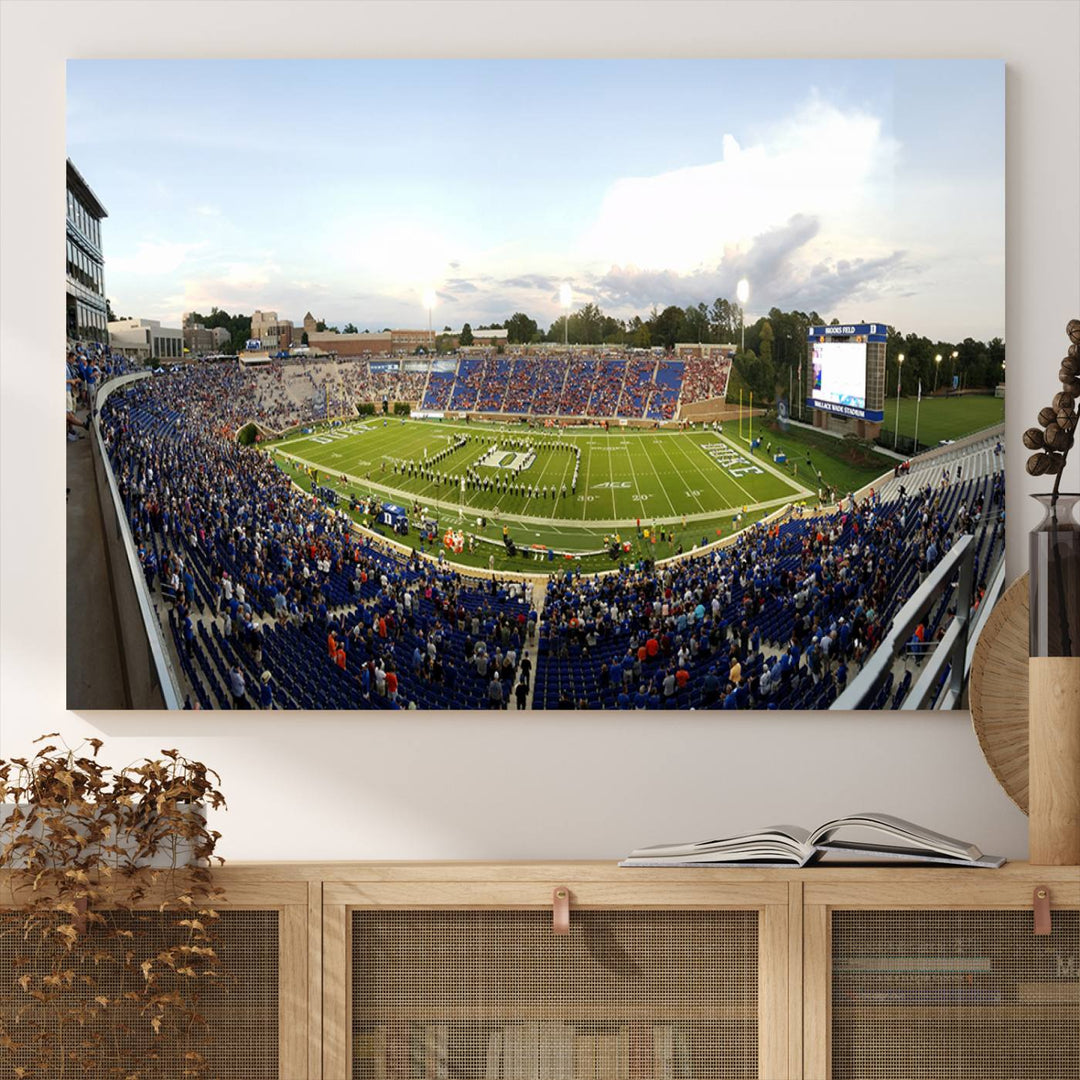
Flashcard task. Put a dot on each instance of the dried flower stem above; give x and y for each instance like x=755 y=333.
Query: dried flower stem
x=110 y=912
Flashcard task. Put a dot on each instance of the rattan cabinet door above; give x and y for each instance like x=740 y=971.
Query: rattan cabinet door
x=234 y=1017
x=492 y=993
x=942 y=993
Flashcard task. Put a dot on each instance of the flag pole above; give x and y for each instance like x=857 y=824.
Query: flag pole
x=750 y=419
x=740 y=412
x=918 y=402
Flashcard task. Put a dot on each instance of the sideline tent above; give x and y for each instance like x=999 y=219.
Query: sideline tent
x=395 y=517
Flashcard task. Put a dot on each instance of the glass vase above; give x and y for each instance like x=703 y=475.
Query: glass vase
x=1055 y=578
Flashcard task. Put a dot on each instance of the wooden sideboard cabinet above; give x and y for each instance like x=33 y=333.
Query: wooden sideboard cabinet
x=420 y=971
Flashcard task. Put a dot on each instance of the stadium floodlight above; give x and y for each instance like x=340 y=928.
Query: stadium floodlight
x=937 y=370
x=896 y=419
x=429 y=303
x=566 y=298
x=742 y=294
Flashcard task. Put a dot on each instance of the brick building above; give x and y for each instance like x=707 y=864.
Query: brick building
x=274 y=333
x=200 y=340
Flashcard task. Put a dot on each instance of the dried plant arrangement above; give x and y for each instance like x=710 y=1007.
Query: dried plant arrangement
x=1053 y=545
x=107 y=915
x=1053 y=439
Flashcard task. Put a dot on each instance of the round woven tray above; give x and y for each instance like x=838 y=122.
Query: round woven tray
x=999 y=691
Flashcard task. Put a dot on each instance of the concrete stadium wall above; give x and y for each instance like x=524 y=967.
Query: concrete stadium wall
x=715 y=409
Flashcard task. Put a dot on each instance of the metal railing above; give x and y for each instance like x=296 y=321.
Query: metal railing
x=956 y=569
x=994 y=589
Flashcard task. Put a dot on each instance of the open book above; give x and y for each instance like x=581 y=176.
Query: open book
x=864 y=837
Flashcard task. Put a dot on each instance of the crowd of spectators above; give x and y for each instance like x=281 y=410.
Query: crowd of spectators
x=338 y=386
x=89 y=365
x=550 y=380
x=257 y=575
x=470 y=376
x=288 y=392
x=607 y=387
x=562 y=384
x=637 y=386
x=783 y=618
x=492 y=392
x=293 y=390
x=522 y=387
x=254 y=570
x=574 y=400
x=705 y=377
x=665 y=398
x=439 y=388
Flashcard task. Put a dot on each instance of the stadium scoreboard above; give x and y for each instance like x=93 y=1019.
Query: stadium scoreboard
x=847 y=375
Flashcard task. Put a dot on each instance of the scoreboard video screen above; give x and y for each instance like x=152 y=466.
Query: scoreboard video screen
x=847 y=367
x=840 y=373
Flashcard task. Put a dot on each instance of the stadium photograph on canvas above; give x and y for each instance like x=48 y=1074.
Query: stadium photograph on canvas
x=521 y=384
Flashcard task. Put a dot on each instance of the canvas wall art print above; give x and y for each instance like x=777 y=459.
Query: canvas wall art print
x=521 y=384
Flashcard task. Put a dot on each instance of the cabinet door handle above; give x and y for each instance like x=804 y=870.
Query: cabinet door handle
x=560 y=911
x=1040 y=903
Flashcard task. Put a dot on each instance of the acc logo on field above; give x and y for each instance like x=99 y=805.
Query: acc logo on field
x=609 y=484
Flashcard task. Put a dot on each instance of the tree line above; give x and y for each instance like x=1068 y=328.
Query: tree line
x=239 y=326
x=775 y=344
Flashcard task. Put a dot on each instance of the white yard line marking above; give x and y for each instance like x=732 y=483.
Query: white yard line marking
x=663 y=486
x=633 y=476
x=705 y=475
x=585 y=485
x=611 y=478
x=558 y=490
x=677 y=473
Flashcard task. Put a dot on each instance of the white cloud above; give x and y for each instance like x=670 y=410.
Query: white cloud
x=208 y=211
x=247 y=275
x=825 y=163
x=152 y=257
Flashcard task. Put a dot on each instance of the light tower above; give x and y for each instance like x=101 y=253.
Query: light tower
x=742 y=294
x=429 y=303
x=566 y=298
x=896 y=419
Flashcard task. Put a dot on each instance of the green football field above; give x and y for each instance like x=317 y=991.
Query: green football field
x=692 y=485
x=944 y=418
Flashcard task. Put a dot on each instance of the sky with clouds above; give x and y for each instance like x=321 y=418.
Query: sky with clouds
x=864 y=190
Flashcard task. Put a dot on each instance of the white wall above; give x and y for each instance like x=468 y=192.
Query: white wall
x=455 y=786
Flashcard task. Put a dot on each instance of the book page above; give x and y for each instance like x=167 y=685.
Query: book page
x=868 y=828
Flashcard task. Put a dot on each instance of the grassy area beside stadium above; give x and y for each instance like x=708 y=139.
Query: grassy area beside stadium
x=845 y=465
x=692 y=486
x=944 y=418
